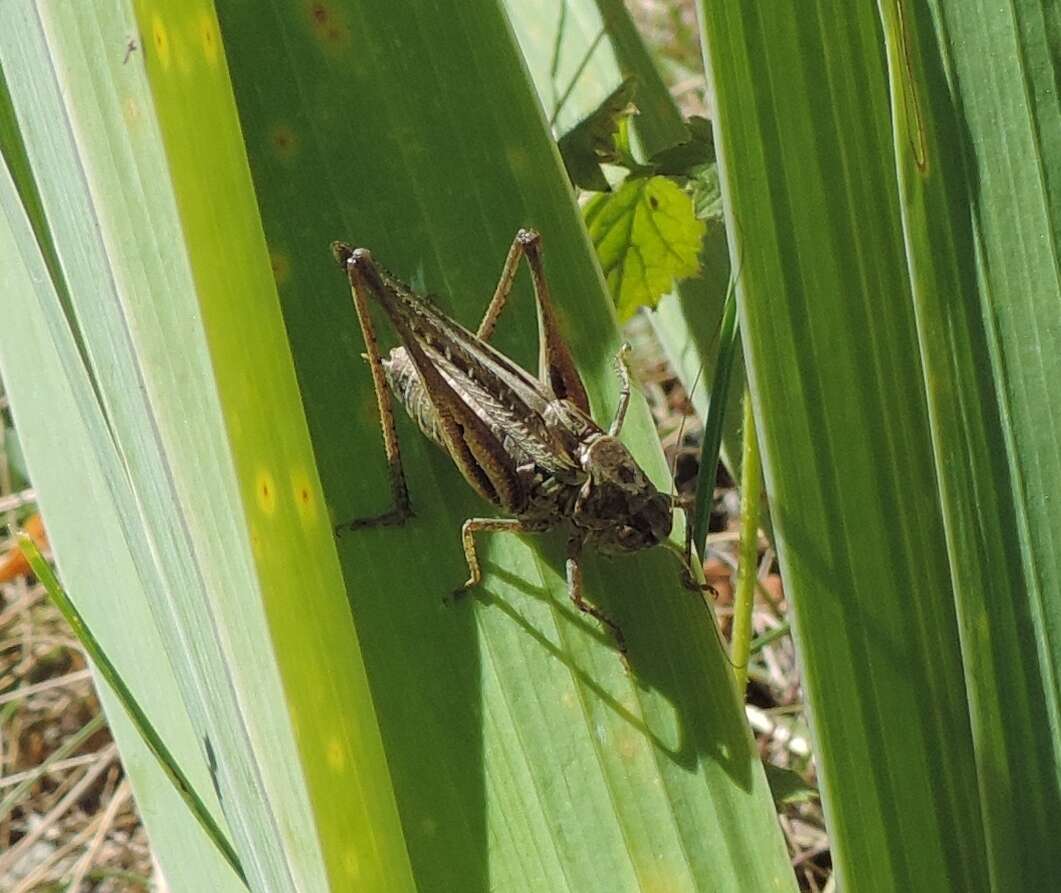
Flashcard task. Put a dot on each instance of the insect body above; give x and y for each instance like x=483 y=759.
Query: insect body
x=526 y=444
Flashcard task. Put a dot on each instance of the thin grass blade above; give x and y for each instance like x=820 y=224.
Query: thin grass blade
x=106 y=669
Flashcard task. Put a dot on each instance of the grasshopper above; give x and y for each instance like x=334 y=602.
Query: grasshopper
x=528 y=445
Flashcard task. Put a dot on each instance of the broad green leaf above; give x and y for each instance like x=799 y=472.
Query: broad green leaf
x=57 y=430
x=570 y=59
x=884 y=447
x=976 y=149
x=524 y=755
x=504 y=720
x=647 y=237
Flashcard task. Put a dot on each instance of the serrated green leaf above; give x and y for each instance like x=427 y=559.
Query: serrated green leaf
x=591 y=142
x=647 y=237
x=684 y=159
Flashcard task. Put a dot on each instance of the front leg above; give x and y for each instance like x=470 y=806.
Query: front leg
x=624 y=390
x=689 y=580
x=574 y=590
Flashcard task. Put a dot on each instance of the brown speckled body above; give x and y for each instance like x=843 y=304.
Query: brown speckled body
x=579 y=475
x=526 y=444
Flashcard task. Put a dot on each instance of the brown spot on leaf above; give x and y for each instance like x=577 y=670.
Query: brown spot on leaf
x=328 y=24
x=281 y=267
x=284 y=141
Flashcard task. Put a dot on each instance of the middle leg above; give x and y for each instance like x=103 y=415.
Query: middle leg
x=482 y=525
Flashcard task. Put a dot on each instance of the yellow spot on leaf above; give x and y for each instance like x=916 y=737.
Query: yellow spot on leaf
x=352 y=864
x=304 y=494
x=628 y=747
x=336 y=755
x=652 y=882
x=265 y=490
x=131 y=111
x=160 y=37
x=208 y=36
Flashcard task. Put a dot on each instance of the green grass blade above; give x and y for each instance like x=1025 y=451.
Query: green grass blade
x=976 y=151
x=109 y=673
x=748 y=566
x=804 y=146
x=715 y=421
x=524 y=755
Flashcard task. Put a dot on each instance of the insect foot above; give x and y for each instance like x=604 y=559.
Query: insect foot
x=456 y=595
x=395 y=517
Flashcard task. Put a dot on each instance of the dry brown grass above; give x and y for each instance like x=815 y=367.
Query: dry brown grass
x=67 y=818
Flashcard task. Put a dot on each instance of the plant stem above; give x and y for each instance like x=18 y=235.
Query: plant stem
x=748 y=566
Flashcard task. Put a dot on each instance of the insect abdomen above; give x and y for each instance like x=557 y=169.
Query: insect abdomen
x=405 y=384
